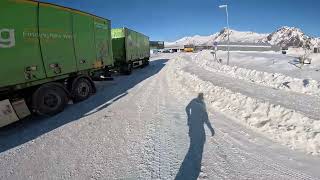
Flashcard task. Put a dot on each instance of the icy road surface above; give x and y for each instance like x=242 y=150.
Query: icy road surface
x=142 y=127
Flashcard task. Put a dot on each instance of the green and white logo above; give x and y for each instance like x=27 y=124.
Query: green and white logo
x=101 y=26
x=7 y=39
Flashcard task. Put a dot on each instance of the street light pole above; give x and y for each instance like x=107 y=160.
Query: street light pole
x=226 y=7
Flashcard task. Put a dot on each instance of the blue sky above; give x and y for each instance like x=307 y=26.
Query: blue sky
x=173 y=19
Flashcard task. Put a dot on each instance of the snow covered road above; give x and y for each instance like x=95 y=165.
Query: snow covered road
x=146 y=126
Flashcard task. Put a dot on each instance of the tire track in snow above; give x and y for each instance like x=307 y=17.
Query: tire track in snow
x=161 y=162
x=235 y=148
x=148 y=110
x=139 y=128
x=166 y=131
x=159 y=152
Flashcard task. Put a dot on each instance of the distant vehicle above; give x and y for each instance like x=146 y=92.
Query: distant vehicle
x=189 y=48
x=284 y=50
x=130 y=49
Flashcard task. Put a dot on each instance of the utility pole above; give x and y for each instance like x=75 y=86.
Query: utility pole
x=226 y=7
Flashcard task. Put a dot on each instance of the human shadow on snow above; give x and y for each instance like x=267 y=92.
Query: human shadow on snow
x=197 y=118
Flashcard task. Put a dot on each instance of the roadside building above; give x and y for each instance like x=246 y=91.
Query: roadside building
x=156 y=44
x=203 y=47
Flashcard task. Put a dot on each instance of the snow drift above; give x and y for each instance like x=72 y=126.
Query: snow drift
x=274 y=80
x=274 y=121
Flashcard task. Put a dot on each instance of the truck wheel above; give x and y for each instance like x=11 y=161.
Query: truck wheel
x=49 y=100
x=81 y=89
x=145 y=62
x=128 y=69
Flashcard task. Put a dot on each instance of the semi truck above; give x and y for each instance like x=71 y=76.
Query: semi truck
x=49 y=55
x=130 y=49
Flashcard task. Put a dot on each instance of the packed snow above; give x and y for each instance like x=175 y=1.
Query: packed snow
x=183 y=117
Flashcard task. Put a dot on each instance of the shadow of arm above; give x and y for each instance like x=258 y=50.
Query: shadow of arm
x=188 y=109
x=207 y=122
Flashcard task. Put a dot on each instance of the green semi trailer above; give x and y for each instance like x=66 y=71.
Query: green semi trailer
x=130 y=49
x=48 y=55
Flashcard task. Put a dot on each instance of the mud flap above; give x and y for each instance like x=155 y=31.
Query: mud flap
x=7 y=114
x=21 y=108
x=137 y=63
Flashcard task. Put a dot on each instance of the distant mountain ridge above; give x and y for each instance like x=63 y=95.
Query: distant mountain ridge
x=284 y=36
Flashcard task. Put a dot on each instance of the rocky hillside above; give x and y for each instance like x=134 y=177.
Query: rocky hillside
x=290 y=36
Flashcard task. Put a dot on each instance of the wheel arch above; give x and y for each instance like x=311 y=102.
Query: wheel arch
x=60 y=85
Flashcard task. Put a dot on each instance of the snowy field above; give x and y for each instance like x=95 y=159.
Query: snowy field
x=273 y=62
x=258 y=119
x=267 y=68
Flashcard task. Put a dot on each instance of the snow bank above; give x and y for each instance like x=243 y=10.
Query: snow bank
x=274 y=80
x=275 y=122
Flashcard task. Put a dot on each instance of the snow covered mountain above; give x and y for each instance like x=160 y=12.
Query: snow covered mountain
x=290 y=36
x=222 y=36
x=284 y=36
x=197 y=40
x=240 y=36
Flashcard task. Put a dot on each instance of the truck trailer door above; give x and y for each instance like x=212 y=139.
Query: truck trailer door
x=56 y=40
x=102 y=42
x=83 y=30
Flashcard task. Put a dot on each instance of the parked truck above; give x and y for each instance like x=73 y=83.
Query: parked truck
x=49 y=55
x=130 y=49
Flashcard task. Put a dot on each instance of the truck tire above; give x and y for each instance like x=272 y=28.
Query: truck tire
x=126 y=68
x=82 y=89
x=49 y=100
x=129 y=68
x=146 y=62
